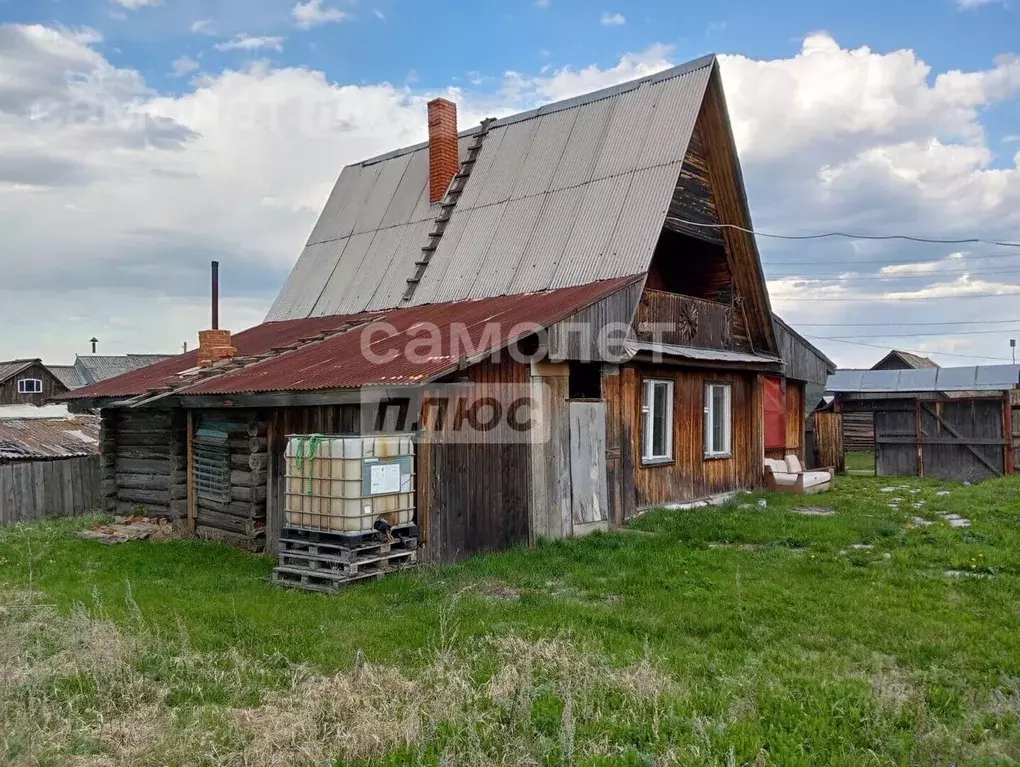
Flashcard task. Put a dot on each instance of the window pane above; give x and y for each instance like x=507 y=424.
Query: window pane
x=659 y=419
x=718 y=419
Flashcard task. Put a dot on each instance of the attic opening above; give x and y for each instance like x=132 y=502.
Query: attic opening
x=691 y=267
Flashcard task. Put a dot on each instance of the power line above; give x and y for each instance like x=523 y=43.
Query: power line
x=866 y=299
x=902 y=324
x=913 y=351
x=847 y=275
x=887 y=262
x=825 y=235
x=918 y=335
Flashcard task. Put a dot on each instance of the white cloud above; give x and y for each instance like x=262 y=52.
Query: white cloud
x=251 y=43
x=113 y=198
x=313 y=14
x=379 y=15
x=134 y=5
x=204 y=27
x=613 y=19
x=541 y=3
x=968 y=4
x=183 y=66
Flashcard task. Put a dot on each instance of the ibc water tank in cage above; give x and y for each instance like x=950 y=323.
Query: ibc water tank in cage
x=345 y=484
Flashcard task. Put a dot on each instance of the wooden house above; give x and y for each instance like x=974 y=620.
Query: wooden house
x=28 y=382
x=589 y=259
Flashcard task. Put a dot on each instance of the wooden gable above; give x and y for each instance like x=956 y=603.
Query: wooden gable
x=720 y=264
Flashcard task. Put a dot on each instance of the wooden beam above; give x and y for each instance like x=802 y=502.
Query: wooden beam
x=192 y=505
x=1008 y=458
x=918 y=438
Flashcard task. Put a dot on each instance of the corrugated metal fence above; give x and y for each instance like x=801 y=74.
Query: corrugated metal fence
x=38 y=489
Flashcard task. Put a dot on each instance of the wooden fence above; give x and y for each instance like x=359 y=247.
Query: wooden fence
x=828 y=438
x=38 y=489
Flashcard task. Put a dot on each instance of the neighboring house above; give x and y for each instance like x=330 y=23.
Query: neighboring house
x=958 y=423
x=859 y=425
x=94 y=368
x=571 y=257
x=28 y=382
x=49 y=462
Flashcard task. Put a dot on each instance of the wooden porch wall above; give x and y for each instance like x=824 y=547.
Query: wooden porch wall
x=713 y=328
x=689 y=476
x=795 y=418
x=143 y=462
x=474 y=496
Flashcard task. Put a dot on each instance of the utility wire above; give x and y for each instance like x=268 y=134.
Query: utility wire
x=913 y=351
x=918 y=335
x=933 y=240
x=887 y=262
x=902 y=324
x=866 y=299
x=849 y=275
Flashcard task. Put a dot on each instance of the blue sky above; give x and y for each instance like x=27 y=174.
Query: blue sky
x=883 y=117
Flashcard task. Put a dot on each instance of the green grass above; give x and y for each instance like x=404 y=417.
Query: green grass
x=861 y=463
x=755 y=636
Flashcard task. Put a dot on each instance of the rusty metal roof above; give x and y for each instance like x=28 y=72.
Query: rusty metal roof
x=342 y=360
x=571 y=193
x=43 y=438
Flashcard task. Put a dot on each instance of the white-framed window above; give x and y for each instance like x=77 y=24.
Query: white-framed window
x=718 y=420
x=657 y=417
x=29 y=386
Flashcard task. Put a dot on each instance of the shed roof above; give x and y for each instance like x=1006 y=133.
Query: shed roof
x=703 y=355
x=978 y=378
x=93 y=368
x=68 y=375
x=46 y=438
x=571 y=193
x=306 y=361
x=11 y=368
x=908 y=359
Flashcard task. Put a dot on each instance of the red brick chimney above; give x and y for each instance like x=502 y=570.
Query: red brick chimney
x=213 y=346
x=443 y=155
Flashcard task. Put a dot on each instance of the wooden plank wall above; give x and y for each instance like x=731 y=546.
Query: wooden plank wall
x=51 y=387
x=859 y=431
x=283 y=422
x=31 y=490
x=474 y=489
x=795 y=418
x=620 y=457
x=1015 y=408
x=690 y=476
x=828 y=437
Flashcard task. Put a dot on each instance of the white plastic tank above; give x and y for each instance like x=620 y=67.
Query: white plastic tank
x=344 y=484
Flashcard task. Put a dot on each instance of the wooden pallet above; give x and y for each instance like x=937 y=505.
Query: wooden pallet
x=332 y=551
x=330 y=581
x=325 y=563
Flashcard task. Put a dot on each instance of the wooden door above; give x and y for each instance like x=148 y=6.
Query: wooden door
x=828 y=436
x=589 y=488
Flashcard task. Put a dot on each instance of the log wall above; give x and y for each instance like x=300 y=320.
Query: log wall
x=241 y=520
x=143 y=462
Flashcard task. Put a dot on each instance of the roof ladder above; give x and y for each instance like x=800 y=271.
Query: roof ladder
x=446 y=208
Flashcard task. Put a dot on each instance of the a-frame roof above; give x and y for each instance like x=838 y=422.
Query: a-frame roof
x=568 y=194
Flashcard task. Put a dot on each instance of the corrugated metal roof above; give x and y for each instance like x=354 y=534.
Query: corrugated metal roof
x=978 y=378
x=68 y=375
x=27 y=439
x=601 y=168
x=701 y=355
x=94 y=368
x=340 y=361
x=13 y=367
